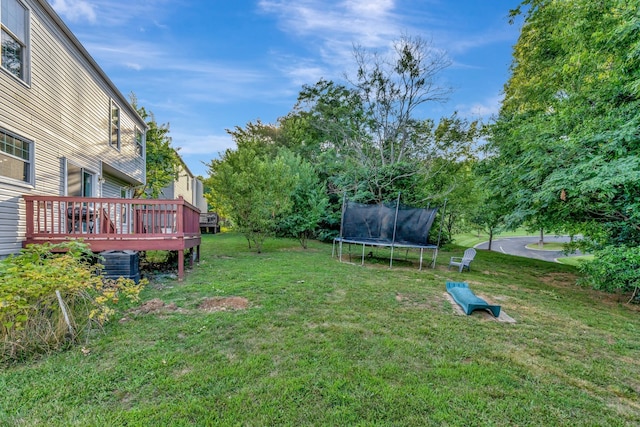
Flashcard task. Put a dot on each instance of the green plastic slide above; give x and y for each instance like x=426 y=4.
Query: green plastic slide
x=468 y=300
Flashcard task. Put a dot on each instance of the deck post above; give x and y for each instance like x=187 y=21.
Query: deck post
x=29 y=211
x=180 y=265
x=190 y=257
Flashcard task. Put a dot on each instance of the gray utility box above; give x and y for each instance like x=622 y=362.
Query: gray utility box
x=121 y=264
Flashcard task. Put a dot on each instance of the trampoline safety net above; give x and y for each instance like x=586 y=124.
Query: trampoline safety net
x=392 y=225
x=383 y=224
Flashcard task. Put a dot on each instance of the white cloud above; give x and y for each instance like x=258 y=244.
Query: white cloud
x=207 y=145
x=133 y=66
x=337 y=26
x=75 y=10
x=485 y=109
x=369 y=7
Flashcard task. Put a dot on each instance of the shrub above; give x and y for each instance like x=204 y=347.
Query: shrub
x=614 y=269
x=50 y=299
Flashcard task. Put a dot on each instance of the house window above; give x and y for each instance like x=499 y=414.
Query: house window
x=139 y=142
x=114 y=139
x=13 y=19
x=15 y=157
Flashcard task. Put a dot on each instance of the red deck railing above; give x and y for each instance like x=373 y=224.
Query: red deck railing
x=115 y=224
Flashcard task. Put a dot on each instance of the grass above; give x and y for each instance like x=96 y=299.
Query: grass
x=575 y=260
x=547 y=246
x=329 y=343
x=469 y=240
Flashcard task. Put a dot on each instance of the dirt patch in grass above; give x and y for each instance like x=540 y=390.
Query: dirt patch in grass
x=155 y=306
x=565 y=280
x=419 y=301
x=224 y=303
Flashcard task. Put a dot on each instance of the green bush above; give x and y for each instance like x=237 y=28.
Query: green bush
x=32 y=318
x=614 y=269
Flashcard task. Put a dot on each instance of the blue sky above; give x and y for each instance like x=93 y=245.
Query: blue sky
x=204 y=66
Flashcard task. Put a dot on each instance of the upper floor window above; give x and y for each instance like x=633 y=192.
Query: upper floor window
x=114 y=139
x=13 y=19
x=139 y=142
x=15 y=157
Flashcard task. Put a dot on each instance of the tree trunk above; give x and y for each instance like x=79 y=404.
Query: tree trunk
x=541 y=241
x=490 y=237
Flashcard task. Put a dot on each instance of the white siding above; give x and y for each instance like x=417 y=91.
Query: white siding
x=12 y=223
x=65 y=112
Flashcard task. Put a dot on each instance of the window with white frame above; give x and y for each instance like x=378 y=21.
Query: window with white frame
x=114 y=139
x=15 y=157
x=14 y=37
x=139 y=142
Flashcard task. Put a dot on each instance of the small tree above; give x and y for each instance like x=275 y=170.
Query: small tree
x=309 y=200
x=254 y=191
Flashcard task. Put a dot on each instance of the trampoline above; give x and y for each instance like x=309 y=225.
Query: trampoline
x=386 y=225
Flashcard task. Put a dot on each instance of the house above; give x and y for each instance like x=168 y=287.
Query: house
x=72 y=148
x=191 y=188
x=187 y=186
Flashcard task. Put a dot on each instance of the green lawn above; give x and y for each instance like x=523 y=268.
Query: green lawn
x=547 y=246
x=329 y=343
x=471 y=239
x=575 y=260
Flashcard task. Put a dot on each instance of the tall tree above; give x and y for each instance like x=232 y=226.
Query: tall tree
x=392 y=90
x=567 y=140
x=162 y=160
x=567 y=135
x=373 y=122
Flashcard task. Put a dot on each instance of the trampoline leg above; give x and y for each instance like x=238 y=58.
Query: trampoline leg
x=340 y=251
x=435 y=255
x=391 y=258
x=421 y=251
x=333 y=248
x=363 y=246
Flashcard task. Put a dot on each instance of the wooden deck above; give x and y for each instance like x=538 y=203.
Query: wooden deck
x=115 y=224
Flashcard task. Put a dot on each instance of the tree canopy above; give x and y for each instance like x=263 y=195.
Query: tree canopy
x=567 y=136
x=375 y=125
x=162 y=160
x=567 y=139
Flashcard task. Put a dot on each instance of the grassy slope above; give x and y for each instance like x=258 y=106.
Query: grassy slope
x=329 y=343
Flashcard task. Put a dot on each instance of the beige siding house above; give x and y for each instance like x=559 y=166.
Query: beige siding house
x=187 y=186
x=65 y=129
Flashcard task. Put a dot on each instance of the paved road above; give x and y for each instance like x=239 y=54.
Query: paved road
x=517 y=246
